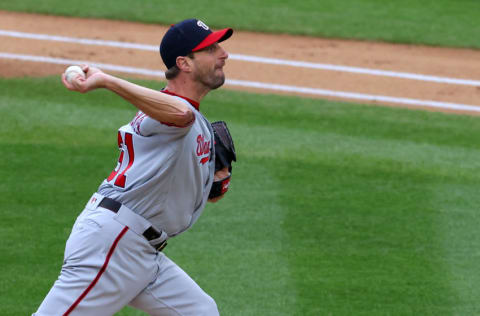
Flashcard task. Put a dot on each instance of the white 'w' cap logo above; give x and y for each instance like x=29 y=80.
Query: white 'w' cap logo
x=202 y=25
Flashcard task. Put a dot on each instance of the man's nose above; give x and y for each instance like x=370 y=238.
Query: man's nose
x=223 y=53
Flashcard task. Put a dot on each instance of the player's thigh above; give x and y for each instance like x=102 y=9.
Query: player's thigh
x=174 y=293
x=101 y=271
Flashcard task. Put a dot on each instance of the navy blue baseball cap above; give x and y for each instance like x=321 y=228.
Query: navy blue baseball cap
x=188 y=36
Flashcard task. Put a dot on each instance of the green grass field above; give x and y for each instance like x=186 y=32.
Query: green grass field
x=334 y=209
x=433 y=22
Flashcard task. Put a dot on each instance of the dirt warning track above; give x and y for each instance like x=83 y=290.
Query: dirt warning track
x=435 y=78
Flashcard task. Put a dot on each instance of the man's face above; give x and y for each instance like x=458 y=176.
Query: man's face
x=209 y=64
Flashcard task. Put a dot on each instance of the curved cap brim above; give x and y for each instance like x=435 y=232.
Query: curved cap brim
x=214 y=37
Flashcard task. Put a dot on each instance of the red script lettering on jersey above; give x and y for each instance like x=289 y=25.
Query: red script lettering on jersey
x=137 y=121
x=203 y=148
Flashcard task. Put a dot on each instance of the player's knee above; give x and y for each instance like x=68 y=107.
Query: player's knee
x=208 y=307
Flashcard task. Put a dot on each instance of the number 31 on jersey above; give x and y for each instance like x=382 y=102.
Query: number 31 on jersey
x=125 y=160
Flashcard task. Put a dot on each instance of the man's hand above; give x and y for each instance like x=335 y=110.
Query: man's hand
x=219 y=175
x=94 y=79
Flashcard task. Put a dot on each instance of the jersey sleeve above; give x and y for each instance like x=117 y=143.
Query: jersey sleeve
x=146 y=126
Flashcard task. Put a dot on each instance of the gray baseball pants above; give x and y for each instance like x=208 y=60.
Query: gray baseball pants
x=108 y=264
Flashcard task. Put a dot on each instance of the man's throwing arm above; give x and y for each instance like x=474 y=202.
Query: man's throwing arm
x=157 y=105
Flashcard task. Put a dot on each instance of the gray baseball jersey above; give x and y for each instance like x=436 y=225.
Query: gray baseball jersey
x=164 y=172
x=163 y=177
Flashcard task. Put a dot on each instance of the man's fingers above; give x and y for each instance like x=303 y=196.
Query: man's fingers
x=94 y=79
x=76 y=84
x=66 y=83
x=216 y=199
x=84 y=67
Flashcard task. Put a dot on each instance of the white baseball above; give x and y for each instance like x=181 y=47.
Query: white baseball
x=72 y=72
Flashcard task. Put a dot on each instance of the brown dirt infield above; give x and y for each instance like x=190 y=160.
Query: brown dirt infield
x=436 y=61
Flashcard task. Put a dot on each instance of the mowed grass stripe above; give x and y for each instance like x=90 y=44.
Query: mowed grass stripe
x=433 y=22
x=362 y=188
x=334 y=208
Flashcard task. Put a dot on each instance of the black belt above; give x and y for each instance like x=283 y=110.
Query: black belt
x=150 y=233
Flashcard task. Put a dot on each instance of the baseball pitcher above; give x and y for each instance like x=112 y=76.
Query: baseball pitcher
x=172 y=160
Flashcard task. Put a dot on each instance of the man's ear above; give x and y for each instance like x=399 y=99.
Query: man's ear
x=184 y=63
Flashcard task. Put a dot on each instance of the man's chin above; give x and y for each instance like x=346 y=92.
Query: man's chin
x=218 y=83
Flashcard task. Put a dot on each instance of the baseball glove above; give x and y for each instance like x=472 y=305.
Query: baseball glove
x=224 y=155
